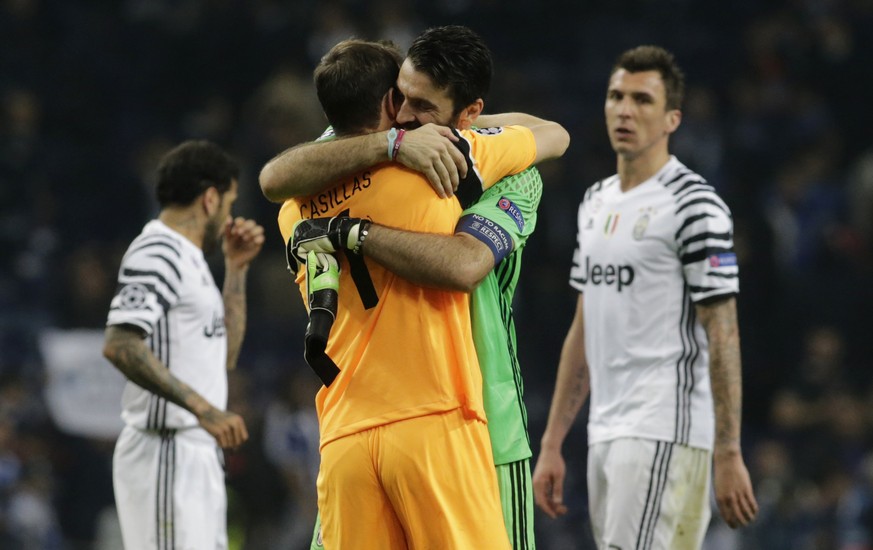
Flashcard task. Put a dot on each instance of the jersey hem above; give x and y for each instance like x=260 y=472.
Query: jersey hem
x=648 y=436
x=370 y=423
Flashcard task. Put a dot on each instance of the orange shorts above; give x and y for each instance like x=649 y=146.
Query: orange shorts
x=425 y=483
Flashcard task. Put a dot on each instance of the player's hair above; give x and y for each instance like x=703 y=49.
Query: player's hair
x=656 y=58
x=457 y=60
x=351 y=80
x=190 y=169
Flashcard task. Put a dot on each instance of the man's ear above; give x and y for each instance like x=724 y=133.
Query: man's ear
x=211 y=201
x=469 y=114
x=674 y=118
x=390 y=107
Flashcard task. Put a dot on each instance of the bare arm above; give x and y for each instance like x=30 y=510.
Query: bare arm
x=243 y=240
x=313 y=167
x=551 y=138
x=125 y=349
x=571 y=391
x=733 y=487
x=234 y=294
x=454 y=262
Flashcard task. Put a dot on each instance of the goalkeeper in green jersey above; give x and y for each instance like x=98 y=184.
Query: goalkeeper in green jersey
x=442 y=82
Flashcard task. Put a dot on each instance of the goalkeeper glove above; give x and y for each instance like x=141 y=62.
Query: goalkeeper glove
x=327 y=235
x=322 y=287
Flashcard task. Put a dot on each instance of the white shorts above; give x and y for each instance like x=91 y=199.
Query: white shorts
x=645 y=494
x=169 y=490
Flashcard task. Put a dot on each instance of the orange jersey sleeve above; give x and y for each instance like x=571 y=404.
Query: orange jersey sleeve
x=500 y=152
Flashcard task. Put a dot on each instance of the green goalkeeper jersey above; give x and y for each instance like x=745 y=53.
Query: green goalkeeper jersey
x=512 y=205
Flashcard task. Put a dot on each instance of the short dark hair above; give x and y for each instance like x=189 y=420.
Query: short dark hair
x=456 y=59
x=656 y=58
x=190 y=169
x=351 y=80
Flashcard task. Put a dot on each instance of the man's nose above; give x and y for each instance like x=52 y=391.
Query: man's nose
x=405 y=114
x=625 y=107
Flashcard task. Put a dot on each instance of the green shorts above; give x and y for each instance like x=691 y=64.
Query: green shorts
x=516 y=497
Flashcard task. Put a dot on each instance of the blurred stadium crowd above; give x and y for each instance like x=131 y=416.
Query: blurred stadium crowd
x=777 y=116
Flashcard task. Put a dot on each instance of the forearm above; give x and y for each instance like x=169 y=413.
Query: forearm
x=551 y=138
x=453 y=262
x=571 y=386
x=234 y=294
x=725 y=372
x=127 y=351
x=313 y=167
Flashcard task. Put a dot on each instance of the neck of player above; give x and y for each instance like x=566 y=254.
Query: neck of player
x=635 y=169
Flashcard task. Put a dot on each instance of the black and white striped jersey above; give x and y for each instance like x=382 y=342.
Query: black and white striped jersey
x=644 y=258
x=165 y=288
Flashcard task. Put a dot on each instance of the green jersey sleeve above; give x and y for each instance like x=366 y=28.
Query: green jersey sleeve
x=510 y=207
x=505 y=215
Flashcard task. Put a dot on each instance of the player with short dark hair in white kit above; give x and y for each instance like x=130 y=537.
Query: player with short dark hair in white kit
x=174 y=336
x=654 y=336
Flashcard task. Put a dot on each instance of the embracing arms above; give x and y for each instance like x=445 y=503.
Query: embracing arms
x=312 y=167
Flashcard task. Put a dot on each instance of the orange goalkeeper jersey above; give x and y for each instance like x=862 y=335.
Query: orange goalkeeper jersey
x=403 y=350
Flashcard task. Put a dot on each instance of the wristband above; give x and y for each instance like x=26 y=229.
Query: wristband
x=363 y=231
x=392 y=137
x=395 y=136
x=400 y=134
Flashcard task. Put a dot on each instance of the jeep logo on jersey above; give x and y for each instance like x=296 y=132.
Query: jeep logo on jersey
x=619 y=275
x=216 y=329
x=489 y=131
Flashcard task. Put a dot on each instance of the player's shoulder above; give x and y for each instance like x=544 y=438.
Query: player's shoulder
x=689 y=192
x=599 y=188
x=159 y=251
x=156 y=240
x=681 y=181
x=491 y=132
x=497 y=136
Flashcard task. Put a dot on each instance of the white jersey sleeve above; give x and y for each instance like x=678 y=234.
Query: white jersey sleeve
x=148 y=282
x=705 y=239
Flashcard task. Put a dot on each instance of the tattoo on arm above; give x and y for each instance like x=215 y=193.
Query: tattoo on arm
x=128 y=352
x=234 y=313
x=720 y=322
x=572 y=384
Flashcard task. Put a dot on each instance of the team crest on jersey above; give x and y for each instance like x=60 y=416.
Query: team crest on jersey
x=512 y=210
x=642 y=224
x=596 y=204
x=489 y=131
x=133 y=296
x=611 y=224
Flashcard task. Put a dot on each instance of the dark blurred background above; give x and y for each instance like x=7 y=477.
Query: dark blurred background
x=777 y=117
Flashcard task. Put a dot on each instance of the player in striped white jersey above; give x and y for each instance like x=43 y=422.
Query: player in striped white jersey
x=654 y=336
x=174 y=336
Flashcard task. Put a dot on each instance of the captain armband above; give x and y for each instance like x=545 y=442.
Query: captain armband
x=490 y=233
